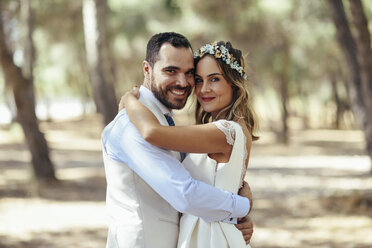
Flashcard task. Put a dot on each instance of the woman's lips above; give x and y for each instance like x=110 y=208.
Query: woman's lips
x=207 y=99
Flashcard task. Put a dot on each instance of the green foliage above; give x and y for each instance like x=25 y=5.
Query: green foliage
x=268 y=31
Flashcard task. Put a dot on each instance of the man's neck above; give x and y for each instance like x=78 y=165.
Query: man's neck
x=148 y=86
x=150 y=95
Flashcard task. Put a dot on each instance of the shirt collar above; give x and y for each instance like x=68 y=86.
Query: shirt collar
x=147 y=94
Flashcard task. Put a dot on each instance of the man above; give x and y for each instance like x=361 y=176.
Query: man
x=147 y=186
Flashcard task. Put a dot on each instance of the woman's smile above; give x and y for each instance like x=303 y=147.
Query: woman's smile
x=207 y=99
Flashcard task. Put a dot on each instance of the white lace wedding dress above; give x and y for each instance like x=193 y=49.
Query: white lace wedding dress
x=196 y=233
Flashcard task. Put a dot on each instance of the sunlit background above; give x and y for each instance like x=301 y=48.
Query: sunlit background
x=310 y=172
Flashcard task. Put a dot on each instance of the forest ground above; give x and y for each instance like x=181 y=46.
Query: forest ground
x=315 y=192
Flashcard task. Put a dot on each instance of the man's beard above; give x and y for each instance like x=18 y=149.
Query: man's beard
x=161 y=95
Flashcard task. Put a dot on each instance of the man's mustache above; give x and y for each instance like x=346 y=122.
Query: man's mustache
x=187 y=88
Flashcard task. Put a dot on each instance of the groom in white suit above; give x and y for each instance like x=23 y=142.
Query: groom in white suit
x=147 y=186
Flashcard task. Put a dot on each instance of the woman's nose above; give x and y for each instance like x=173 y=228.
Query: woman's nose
x=205 y=88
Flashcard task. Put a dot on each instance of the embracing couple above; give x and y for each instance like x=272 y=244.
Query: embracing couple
x=181 y=186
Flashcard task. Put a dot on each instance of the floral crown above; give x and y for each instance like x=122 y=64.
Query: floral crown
x=221 y=52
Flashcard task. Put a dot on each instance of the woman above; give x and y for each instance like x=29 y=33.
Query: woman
x=218 y=150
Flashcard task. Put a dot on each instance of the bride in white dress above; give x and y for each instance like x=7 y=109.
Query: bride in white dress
x=220 y=143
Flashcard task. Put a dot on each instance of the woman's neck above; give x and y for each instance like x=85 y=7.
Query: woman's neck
x=218 y=115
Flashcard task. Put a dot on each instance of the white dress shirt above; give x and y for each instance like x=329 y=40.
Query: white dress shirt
x=165 y=174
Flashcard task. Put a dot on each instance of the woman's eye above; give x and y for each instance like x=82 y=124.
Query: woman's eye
x=215 y=79
x=198 y=80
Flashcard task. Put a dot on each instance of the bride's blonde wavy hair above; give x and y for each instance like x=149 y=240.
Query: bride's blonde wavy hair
x=240 y=107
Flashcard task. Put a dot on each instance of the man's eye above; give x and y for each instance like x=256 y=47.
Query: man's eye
x=171 y=71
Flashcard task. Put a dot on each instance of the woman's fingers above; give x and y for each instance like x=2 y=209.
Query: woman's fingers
x=135 y=91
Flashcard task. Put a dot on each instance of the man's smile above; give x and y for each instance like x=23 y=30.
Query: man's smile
x=182 y=92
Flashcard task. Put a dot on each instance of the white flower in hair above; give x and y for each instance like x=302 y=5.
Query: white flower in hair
x=221 y=52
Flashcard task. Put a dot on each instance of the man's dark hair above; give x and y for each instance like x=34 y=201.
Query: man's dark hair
x=156 y=41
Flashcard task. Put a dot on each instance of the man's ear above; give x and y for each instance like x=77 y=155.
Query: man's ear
x=146 y=67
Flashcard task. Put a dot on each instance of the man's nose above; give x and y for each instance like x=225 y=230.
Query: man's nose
x=182 y=81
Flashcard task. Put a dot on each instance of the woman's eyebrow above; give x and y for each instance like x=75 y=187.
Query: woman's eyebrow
x=214 y=74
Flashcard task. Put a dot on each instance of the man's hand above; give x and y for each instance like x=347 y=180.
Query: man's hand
x=134 y=92
x=245 y=191
x=245 y=225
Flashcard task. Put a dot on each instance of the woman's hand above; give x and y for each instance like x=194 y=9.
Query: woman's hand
x=134 y=92
x=245 y=226
x=245 y=191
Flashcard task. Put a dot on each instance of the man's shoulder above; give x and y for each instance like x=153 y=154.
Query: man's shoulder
x=119 y=134
x=116 y=127
x=121 y=119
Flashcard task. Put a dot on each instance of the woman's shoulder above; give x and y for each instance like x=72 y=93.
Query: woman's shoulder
x=229 y=128
x=229 y=124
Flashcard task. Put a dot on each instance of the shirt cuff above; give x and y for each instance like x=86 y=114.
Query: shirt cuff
x=242 y=206
x=241 y=209
x=230 y=220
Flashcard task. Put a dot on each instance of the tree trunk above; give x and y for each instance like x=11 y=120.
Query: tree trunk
x=97 y=57
x=336 y=97
x=363 y=42
x=29 y=51
x=348 y=48
x=24 y=100
x=358 y=82
x=283 y=84
x=284 y=99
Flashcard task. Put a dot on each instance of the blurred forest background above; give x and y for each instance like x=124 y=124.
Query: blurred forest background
x=65 y=64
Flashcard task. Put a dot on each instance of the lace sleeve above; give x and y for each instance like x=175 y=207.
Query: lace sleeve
x=239 y=154
x=228 y=129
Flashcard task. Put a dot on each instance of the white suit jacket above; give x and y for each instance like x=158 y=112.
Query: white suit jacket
x=139 y=217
